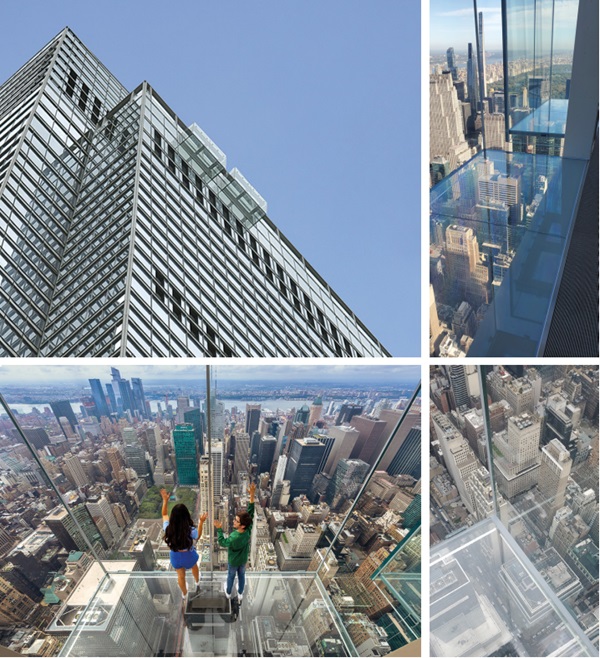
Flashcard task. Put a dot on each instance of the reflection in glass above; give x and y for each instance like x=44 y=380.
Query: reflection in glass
x=514 y=482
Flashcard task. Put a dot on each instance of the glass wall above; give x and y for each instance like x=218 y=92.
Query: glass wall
x=540 y=39
x=514 y=483
x=334 y=549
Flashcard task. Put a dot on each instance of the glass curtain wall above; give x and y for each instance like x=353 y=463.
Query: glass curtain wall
x=514 y=493
x=318 y=559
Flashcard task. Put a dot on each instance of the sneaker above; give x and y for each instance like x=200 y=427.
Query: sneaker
x=240 y=596
x=197 y=583
x=225 y=590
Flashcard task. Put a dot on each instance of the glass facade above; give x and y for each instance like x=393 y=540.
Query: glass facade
x=334 y=561
x=126 y=235
x=504 y=200
x=514 y=485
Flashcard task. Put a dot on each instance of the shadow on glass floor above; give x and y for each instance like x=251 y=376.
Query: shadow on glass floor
x=487 y=599
x=142 y=614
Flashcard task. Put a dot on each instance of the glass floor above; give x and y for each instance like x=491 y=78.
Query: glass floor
x=550 y=119
x=142 y=614
x=488 y=600
x=507 y=276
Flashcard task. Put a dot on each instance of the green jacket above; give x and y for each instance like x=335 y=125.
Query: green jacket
x=238 y=543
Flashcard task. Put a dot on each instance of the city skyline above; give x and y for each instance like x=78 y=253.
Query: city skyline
x=21 y=374
x=338 y=497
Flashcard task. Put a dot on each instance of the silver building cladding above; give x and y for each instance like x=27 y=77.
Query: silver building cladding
x=123 y=234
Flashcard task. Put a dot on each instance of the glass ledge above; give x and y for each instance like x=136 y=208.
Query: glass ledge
x=142 y=614
x=513 y=214
x=487 y=599
x=549 y=119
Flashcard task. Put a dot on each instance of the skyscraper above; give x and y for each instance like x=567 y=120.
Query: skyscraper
x=482 y=54
x=135 y=454
x=302 y=466
x=266 y=450
x=451 y=64
x=196 y=418
x=407 y=460
x=66 y=531
x=447 y=137
x=63 y=409
x=554 y=474
x=252 y=418
x=186 y=454
x=139 y=399
x=143 y=198
x=99 y=398
x=472 y=80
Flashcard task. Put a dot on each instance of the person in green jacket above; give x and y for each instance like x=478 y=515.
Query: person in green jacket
x=238 y=546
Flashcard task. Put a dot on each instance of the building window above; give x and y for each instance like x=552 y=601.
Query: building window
x=157 y=144
x=83 y=96
x=171 y=158
x=96 y=110
x=71 y=83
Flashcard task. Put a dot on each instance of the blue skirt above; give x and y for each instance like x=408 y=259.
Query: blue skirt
x=184 y=559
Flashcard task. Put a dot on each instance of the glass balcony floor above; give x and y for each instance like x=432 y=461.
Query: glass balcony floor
x=532 y=244
x=549 y=119
x=142 y=614
x=487 y=599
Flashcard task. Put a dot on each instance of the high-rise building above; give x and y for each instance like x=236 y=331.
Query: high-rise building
x=99 y=506
x=139 y=399
x=15 y=606
x=517 y=459
x=346 y=481
x=458 y=384
x=468 y=274
x=217 y=469
x=451 y=64
x=302 y=415
x=135 y=454
x=345 y=438
x=347 y=412
x=186 y=454
x=74 y=471
x=131 y=176
x=252 y=418
x=99 y=398
x=316 y=408
x=371 y=438
x=482 y=55
x=196 y=418
x=407 y=461
x=555 y=469
x=266 y=451
x=66 y=531
x=304 y=458
x=472 y=79
x=447 y=136
x=63 y=409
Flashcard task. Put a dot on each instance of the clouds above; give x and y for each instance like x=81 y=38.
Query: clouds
x=325 y=371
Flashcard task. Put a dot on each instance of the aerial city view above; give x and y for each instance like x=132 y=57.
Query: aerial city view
x=336 y=480
x=505 y=184
x=514 y=510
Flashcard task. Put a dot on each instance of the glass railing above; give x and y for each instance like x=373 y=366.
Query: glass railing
x=500 y=230
x=142 y=614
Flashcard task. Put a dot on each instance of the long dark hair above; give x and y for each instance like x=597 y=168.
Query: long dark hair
x=178 y=532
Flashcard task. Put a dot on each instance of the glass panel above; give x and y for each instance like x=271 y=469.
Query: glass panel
x=500 y=228
x=372 y=568
x=141 y=614
x=540 y=38
x=516 y=445
x=486 y=600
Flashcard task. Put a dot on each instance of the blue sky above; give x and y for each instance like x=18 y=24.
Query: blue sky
x=317 y=103
x=453 y=24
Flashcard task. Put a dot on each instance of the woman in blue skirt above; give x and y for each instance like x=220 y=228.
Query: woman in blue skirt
x=180 y=534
